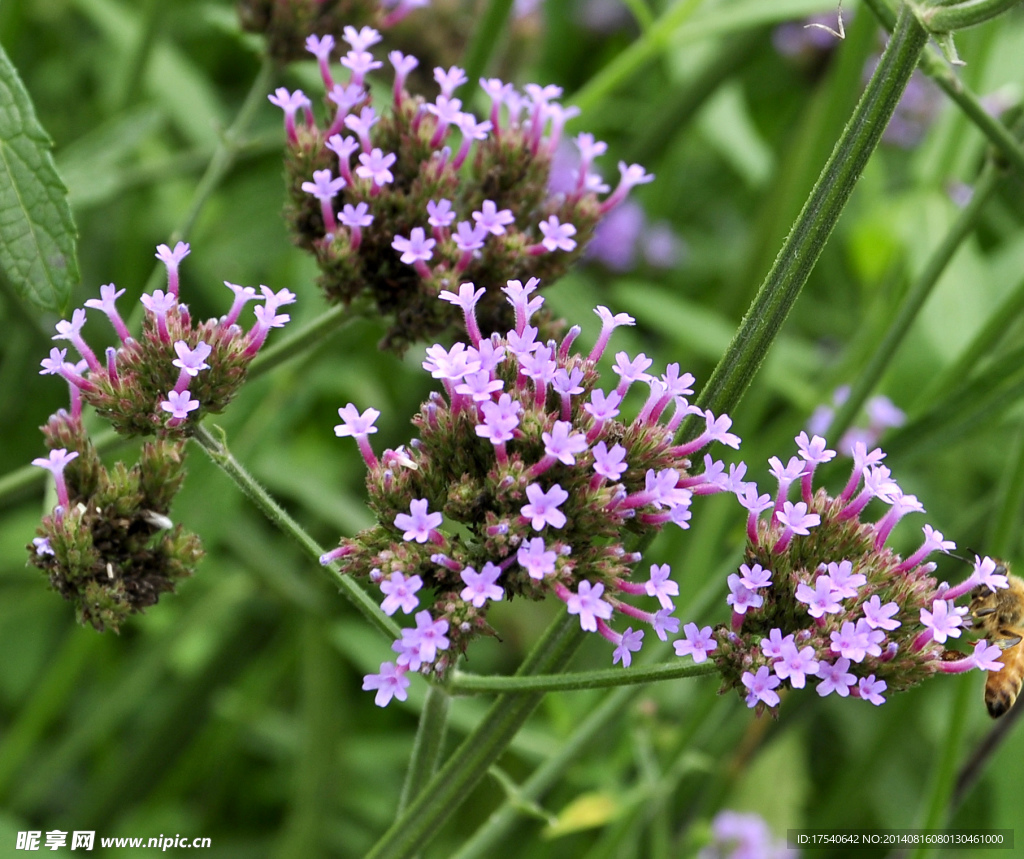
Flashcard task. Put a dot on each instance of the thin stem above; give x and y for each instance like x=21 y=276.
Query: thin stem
x=426 y=752
x=635 y=57
x=914 y=300
x=222 y=458
x=816 y=220
x=474 y=684
x=935 y=66
x=305 y=338
x=963 y=15
x=453 y=783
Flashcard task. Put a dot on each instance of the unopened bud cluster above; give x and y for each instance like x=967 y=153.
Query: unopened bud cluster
x=285 y=23
x=109 y=546
x=526 y=480
x=165 y=380
x=406 y=200
x=821 y=601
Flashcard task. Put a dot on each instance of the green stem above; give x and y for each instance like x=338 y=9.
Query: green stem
x=914 y=300
x=655 y=39
x=817 y=219
x=1000 y=320
x=933 y=65
x=948 y=19
x=222 y=458
x=944 y=774
x=486 y=38
x=304 y=339
x=487 y=838
x=468 y=764
x=474 y=684
x=426 y=752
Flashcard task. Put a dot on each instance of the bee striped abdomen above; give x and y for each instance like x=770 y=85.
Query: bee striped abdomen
x=1003 y=687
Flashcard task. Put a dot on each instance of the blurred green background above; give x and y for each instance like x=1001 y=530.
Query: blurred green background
x=233 y=709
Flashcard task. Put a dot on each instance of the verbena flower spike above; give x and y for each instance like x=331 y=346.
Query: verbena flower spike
x=405 y=200
x=109 y=545
x=526 y=481
x=822 y=602
x=165 y=380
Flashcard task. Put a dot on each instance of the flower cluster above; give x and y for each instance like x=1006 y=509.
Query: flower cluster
x=738 y=835
x=165 y=380
x=285 y=23
x=109 y=546
x=822 y=601
x=526 y=481
x=405 y=202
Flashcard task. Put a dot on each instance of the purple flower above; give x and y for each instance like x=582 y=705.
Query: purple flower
x=773 y=644
x=564 y=444
x=55 y=464
x=844 y=581
x=880 y=616
x=418 y=524
x=820 y=599
x=390 y=683
x=609 y=463
x=761 y=686
x=375 y=167
x=850 y=643
x=661 y=586
x=191 y=361
x=557 y=236
x=179 y=404
x=400 y=593
x=493 y=221
x=698 y=643
x=481 y=586
x=794 y=664
x=500 y=419
x=943 y=620
x=440 y=213
x=543 y=507
x=740 y=597
x=755 y=577
x=871 y=689
x=629 y=643
x=420 y=645
x=587 y=603
x=835 y=678
x=986 y=657
x=536 y=558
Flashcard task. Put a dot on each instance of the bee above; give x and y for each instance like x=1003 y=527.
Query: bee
x=999 y=615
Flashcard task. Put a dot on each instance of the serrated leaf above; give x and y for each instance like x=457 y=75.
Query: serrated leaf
x=37 y=232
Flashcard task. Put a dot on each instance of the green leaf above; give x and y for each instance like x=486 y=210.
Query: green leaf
x=37 y=232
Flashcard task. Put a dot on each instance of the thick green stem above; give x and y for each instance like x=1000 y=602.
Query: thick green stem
x=473 y=684
x=488 y=837
x=916 y=296
x=222 y=458
x=817 y=219
x=453 y=783
x=426 y=752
